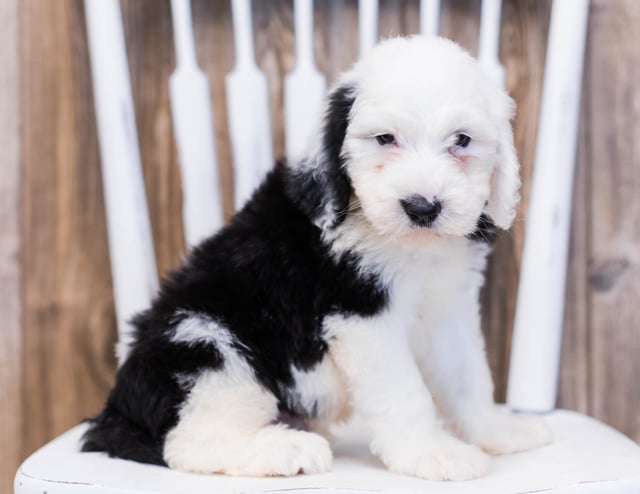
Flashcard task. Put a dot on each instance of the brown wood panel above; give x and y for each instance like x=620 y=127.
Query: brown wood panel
x=613 y=109
x=460 y=21
x=398 y=18
x=574 y=378
x=69 y=324
x=336 y=46
x=10 y=314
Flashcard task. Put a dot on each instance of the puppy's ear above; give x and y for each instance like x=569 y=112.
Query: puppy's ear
x=320 y=185
x=505 y=182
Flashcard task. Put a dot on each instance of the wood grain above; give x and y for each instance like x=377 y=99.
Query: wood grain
x=574 y=379
x=460 y=21
x=613 y=109
x=68 y=323
x=398 y=18
x=11 y=409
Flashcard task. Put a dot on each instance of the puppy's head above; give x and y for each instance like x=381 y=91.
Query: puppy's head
x=419 y=138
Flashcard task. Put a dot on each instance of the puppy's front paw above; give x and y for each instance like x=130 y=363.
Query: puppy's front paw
x=441 y=458
x=507 y=433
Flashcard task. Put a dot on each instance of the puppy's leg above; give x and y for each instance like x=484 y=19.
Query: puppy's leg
x=227 y=425
x=456 y=370
x=389 y=393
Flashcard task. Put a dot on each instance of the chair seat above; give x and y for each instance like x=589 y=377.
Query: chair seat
x=585 y=457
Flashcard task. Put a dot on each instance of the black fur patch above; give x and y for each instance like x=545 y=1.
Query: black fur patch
x=267 y=278
x=485 y=231
x=326 y=179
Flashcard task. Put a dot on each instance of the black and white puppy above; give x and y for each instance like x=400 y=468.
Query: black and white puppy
x=348 y=284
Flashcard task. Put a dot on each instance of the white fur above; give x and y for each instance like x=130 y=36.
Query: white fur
x=227 y=423
x=378 y=355
x=321 y=390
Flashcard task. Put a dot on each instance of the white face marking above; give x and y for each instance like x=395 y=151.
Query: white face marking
x=425 y=106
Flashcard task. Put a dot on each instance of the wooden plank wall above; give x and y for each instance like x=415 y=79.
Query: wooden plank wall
x=601 y=369
x=57 y=326
x=11 y=404
x=67 y=301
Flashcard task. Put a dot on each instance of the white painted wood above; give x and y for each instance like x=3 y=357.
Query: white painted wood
x=304 y=87
x=133 y=264
x=247 y=109
x=586 y=457
x=367 y=25
x=489 y=45
x=429 y=17
x=193 y=128
x=537 y=334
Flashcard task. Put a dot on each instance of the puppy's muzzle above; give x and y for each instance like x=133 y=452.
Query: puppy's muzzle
x=421 y=211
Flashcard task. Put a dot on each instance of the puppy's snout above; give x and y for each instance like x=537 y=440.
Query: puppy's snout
x=421 y=211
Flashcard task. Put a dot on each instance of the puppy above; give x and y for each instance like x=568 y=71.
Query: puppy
x=348 y=284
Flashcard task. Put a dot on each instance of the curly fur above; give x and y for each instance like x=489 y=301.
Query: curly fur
x=348 y=283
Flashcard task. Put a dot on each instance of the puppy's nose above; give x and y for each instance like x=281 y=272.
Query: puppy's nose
x=421 y=211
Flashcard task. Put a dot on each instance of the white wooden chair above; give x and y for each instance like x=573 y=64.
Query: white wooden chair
x=585 y=457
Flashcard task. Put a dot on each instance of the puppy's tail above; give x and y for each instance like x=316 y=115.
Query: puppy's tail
x=120 y=437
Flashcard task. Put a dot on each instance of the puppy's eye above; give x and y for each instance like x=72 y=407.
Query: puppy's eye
x=385 y=139
x=462 y=140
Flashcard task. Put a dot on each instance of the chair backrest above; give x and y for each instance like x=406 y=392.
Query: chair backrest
x=536 y=341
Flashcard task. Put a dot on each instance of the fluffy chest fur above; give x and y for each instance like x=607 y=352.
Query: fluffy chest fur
x=425 y=288
x=432 y=292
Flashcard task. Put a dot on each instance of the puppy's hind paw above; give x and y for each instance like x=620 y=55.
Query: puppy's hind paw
x=273 y=451
x=441 y=458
